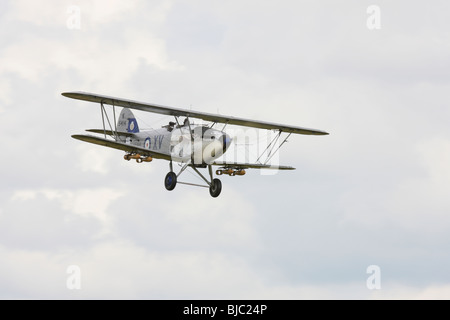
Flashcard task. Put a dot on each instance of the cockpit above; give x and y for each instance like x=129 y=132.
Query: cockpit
x=206 y=133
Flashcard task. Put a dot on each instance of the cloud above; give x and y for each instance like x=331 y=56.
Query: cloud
x=91 y=161
x=373 y=191
x=420 y=201
x=55 y=219
x=39 y=13
x=78 y=51
x=121 y=270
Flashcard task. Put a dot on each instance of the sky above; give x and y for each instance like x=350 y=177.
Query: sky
x=365 y=215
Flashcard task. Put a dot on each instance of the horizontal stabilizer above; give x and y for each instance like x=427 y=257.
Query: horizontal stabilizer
x=111 y=133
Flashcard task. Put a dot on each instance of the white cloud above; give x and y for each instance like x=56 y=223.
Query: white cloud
x=95 y=62
x=86 y=203
x=91 y=160
x=397 y=291
x=30 y=275
x=38 y=13
x=102 y=12
x=122 y=270
x=420 y=202
x=88 y=52
x=45 y=13
x=5 y=93
x=227 y=223
x=435 y=156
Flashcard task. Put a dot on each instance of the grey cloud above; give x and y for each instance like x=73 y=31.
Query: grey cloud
x=366 y=194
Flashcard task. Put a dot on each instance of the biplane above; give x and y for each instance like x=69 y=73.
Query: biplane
x=190 y=145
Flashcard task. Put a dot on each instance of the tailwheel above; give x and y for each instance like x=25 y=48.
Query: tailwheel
x=170 y=181
x=215 y=188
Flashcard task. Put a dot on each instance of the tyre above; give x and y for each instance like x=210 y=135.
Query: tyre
x=170 y=181
x=215 y=188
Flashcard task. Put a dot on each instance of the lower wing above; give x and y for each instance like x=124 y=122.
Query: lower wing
x=121 y=146
x=237 y=165
x=146 y=152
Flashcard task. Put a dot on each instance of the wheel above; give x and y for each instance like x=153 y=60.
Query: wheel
x=215 y=188
x=170 y=181
x=219 y=172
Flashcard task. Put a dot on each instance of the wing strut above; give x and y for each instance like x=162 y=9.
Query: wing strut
x=105 y=115
x=103 y=111
x=272 y=147
x=285 y=140
x=115 y=122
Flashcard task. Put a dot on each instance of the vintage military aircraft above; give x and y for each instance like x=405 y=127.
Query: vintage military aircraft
x=195 y=146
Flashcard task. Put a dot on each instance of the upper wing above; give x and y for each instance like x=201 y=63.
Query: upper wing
x=190 y=113
x=237 y=165
x=120 y=146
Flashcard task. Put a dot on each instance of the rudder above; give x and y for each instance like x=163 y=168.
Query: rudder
x=127 y=122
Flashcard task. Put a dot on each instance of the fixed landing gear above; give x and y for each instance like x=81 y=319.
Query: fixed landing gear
x=170 y=181
x=215 y=188
x=214 y=185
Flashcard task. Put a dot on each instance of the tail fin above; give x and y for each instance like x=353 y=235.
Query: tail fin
x=127 y=122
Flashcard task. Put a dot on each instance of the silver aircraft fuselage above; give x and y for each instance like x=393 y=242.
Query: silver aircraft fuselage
x=200 y=144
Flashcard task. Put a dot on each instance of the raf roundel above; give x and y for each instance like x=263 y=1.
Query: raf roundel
x=131 y=126
x=147 y=143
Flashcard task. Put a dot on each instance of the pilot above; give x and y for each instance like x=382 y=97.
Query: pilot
x=170 y=126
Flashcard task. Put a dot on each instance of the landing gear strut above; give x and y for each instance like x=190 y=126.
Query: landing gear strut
x=214 y=185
